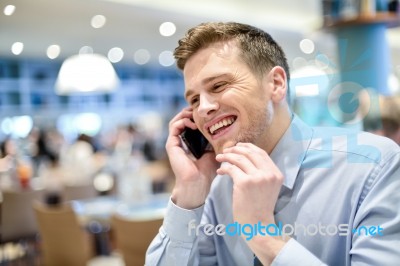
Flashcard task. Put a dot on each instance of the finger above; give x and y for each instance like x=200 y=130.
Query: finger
x=256 y=155
x=238 y=160
x=177 y=125
x=185 y=113
x=176 y=129
x=182 y=123
x=263 y=160
x=231 y=170
x=253 y=153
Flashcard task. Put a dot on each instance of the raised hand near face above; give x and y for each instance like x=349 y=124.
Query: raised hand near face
x=256 y=185
x=192 y=177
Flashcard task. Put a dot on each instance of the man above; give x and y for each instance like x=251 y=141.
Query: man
x=285 y=193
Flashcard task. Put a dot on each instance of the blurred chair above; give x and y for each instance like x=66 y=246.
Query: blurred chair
x=17 y=218
x=18 y=227
x=79 y=192
x=133 y=237
x=63 y=240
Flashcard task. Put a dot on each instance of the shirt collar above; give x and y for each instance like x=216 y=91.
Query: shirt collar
x=291 y=149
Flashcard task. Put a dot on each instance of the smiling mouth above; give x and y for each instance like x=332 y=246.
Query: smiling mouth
x=224 y=123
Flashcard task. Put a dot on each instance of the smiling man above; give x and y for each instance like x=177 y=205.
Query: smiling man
x=268 y=170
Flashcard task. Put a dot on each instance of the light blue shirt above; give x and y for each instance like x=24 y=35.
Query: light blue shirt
x=335 y=179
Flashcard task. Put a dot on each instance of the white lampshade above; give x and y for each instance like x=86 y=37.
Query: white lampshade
x=86 y=73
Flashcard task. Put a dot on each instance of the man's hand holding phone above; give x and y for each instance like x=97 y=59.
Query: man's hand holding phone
x=193 y=177
x=194 y=142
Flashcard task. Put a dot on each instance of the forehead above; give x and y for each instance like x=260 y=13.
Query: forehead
x=213 y=60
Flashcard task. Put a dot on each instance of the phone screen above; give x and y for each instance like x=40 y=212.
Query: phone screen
x=195 y=141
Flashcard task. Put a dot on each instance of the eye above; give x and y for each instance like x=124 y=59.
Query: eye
x=218 y=86
x=193 y=101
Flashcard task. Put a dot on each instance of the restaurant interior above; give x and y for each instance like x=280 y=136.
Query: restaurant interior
x=87 y=88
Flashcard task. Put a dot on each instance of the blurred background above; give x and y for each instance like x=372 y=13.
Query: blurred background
x=138 y=38
x=87 y=87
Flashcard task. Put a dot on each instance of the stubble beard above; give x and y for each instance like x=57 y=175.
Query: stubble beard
x=256 y=131
x=259 y=125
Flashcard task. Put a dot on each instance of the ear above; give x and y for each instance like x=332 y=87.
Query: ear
x=279 y=82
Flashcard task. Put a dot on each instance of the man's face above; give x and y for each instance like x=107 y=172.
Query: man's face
x=230 y=104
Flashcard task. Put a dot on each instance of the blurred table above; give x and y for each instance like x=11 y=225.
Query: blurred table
x=95 y=214
x=102 y=207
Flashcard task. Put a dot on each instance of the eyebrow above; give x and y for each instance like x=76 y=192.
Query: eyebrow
x=189 y=92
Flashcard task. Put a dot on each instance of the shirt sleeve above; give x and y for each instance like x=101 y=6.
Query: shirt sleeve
x=176 y=242
x=294 y=254
x=375 y=236
x=376 y=230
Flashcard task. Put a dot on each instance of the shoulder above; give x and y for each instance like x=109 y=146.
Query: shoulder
x=354 y=143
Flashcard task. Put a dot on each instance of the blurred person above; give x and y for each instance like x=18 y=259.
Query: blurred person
x=4 y=164
x=82 y=137
x=53 y=175
x=54 y=180
x=9 y=155
x=79 y=161
x=123 y=144
x=8 y=148
x=19 y=168
x=7 y=164
x=273 y=190
x=138 y=139
x=40 y=150
x=125 y=138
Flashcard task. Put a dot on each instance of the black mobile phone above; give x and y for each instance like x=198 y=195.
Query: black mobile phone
x=195 y=141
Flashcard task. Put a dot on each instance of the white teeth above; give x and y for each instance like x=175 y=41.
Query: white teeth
x=224 y=122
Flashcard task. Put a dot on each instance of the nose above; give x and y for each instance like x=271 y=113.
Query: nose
x=207 y=105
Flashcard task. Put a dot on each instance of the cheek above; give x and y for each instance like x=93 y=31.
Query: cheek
x=195 y=114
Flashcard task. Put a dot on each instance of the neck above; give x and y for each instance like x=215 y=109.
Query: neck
x=280 y=123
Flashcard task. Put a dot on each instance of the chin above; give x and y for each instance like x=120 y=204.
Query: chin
x=228 y=144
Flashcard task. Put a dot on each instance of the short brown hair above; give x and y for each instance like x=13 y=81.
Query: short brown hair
x=259 y=50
